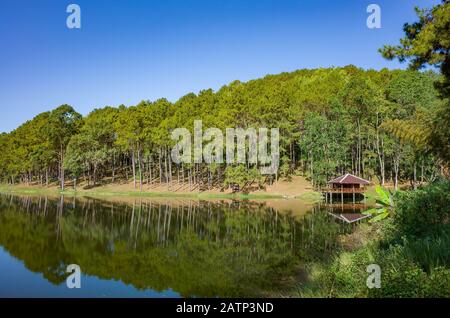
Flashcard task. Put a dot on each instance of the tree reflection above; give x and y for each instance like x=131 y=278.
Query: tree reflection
x=196 y=248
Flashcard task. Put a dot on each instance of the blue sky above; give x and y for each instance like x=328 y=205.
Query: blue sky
x=128 y=51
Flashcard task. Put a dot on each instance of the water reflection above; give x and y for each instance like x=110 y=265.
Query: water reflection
x=191 y=248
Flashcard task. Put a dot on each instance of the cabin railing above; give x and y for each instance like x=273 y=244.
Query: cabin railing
x=344 y=190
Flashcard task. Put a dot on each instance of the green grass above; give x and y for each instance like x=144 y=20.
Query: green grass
x=194 y=195
x=23 y=190
x=310 y=197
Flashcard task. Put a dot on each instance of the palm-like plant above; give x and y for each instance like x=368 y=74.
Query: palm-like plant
x=385 y=205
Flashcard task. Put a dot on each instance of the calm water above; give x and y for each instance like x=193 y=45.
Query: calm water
x=168 y=248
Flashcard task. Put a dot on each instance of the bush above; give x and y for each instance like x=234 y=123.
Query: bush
x=429 y=252
x=401 y=277
x=411 y=268
x=413 y=253
x=344 y=277
x=424 y=211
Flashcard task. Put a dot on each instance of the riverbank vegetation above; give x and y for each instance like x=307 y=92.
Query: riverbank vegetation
x=411 y=249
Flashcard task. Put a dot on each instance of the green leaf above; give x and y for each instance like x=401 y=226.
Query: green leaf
x=380 y=217
x=372 y=212
x=384 y=196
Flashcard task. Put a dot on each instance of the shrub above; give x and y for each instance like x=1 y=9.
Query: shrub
x=429 y=252
x=402 y=278
x=413 y=253
x=403 y=273
x=424 y=211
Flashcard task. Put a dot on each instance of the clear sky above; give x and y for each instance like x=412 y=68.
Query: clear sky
x=130 y=50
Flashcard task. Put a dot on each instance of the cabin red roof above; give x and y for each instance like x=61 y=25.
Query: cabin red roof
x=348 y=179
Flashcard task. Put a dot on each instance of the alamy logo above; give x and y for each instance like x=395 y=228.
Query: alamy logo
x=374 y=279
x=374 y=19
x=237 y=148
x=74 y=279
x=73 y=21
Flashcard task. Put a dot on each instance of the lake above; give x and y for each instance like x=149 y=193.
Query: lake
x=159 y=247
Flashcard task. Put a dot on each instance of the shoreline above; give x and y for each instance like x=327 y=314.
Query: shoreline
x=307 y=197
x=297 y=188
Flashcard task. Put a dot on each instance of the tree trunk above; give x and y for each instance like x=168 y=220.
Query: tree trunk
x=61 y=164
x=209 y=177
x=113 y=168
x=358 y=149
x=421 y=174
x=94 y=175
x=415 y=176
x=194 y=175
x=160 y=166
x=126 y=170
x=133 y=168
x=140 y=167
x=169 y=159
x=190 y=178
x=166 y=173
x=396 y=169
x=150 y=172
x=380 y=154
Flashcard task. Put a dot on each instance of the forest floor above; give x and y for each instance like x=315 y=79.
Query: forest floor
x=296 y=188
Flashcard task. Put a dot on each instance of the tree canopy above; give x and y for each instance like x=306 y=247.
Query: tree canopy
x=426 y=43
x=330 y=122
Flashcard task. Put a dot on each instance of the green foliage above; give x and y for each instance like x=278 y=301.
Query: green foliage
x=384 y=199
x=325 y=144
x=411 y=249
x=94 y=146
x=427 y=42
x=324 y=132
x=424 y=211
x=384 y=196
x=76 y=159
x=241 y=177
x=344 y=276
x=412 y=90
x=428 y=252
x=403 y=278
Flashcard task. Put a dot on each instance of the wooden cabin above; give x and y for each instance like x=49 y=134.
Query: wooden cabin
x=346 y=184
